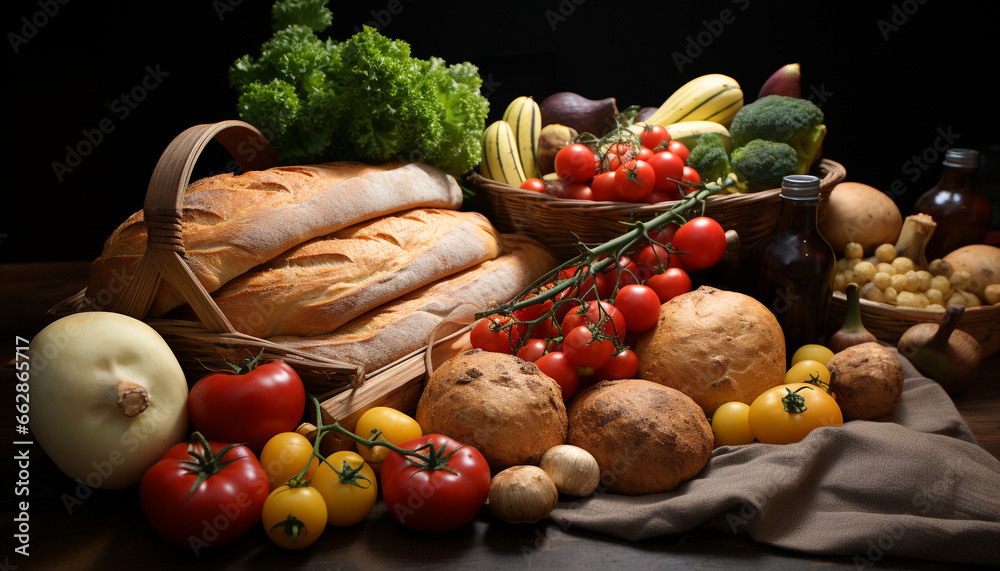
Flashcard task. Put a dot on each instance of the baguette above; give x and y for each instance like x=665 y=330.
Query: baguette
x=402 y=326
x=232 y=223
x=324 y=283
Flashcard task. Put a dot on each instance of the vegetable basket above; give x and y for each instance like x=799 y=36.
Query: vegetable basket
x=888 y=322
x=551 y=220
x=198 y=345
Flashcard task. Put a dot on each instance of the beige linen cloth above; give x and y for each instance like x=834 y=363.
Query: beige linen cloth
x=913 y=484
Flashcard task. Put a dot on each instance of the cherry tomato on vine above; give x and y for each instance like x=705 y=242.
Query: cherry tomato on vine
x=586 y=287
x=592 y=314
x=492 y=334
x=458 y=488
x=787 y=413
x=576 y=163
x=533 y=184
x=634 y=180
x=582 y=350
x=704 y=242
x=654 y=257
x=217 y=509
x=532 y=312
x=388 y=424
x=284 y=456
x=666 y=234
x=690 y=176
x=653 y=135
x=667 y=165
x=578 y=191
x=294 y=518
x=533 y=350
x=809 y=371
x=731 y=424
x=658 y=196
x=680 y=149
x=250 y=404
x=603 y=187
x=622 y=365
x=558 y=367
x=639 y=305
x=814 y=352
x=629 y=271
x=670 y=284
x=644 y=154
x=347 y=484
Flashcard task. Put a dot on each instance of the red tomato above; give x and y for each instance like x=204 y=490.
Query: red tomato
x=645 y=154
x=690 y=176
x=666 y=234
x=658 y=196
x=582 y=350
x=266 y=399
x=603 y=187
x=634 y=180
x=578 y=191
x=614 y=324
x=546 y=329
x=585 y=289
x=670 y=284
x=533 y=184
x=533 y=349
x=533 y=312
x=224 y=506
x=653 y=135
x=667 y=165
x=558 y=367
x=493 y=334
x=576 y=163
x=629 y=271
x=704 y=242
x=441 y=496
x=678 y=148
x=655 y=257
x=640 y=306
x=623 y=365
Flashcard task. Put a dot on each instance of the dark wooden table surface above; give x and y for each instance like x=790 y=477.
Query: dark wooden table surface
x=108 y=530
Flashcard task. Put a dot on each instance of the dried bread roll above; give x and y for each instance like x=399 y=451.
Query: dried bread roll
x=646 y=437
x=231 y=223
x=502 y=405
x=715 y=346
x=322 y=284
x=395 y=329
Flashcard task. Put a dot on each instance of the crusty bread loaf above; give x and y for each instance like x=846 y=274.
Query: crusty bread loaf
x=646 y=437
x=232 y=223
x=504 y=406
x=320 y=285
x=402 y=326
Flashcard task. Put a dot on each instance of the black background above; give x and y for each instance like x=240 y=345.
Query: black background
x=890 y=76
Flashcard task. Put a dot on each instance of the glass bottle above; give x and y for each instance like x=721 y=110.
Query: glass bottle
x=792 y=270
x=961 y=212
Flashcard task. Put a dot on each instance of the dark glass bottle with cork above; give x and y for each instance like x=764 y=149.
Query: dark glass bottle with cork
x=961 y=212
x=792 y=270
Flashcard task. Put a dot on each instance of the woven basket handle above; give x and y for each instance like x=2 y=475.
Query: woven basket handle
x=164 y=256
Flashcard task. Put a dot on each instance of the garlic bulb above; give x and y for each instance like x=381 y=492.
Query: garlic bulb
x=573 y=469
x=522 y=494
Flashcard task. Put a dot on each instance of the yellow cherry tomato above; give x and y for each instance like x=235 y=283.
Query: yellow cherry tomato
x=809 y=371
x=787 y=413
x=294 y=517
x=812 y=352
x=347 y=484
x=284 y=456
x=731 y=424
x=394 y=426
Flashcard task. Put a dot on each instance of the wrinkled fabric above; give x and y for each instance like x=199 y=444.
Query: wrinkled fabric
x=913 y=484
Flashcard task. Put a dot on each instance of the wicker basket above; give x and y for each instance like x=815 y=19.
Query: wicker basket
x=199 y=344
x=889 y=322
x=550 y=220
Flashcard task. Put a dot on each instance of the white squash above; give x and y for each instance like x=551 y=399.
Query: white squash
x=107 y=397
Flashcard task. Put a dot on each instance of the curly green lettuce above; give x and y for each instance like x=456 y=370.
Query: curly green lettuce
x=363 y=99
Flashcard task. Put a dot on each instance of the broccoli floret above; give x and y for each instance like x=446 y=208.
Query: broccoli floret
x=761 y=165
x=709 y=157
x=790 y=120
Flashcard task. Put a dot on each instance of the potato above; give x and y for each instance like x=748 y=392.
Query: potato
x=982 y=262
x=867 y=380
x=859 y=213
